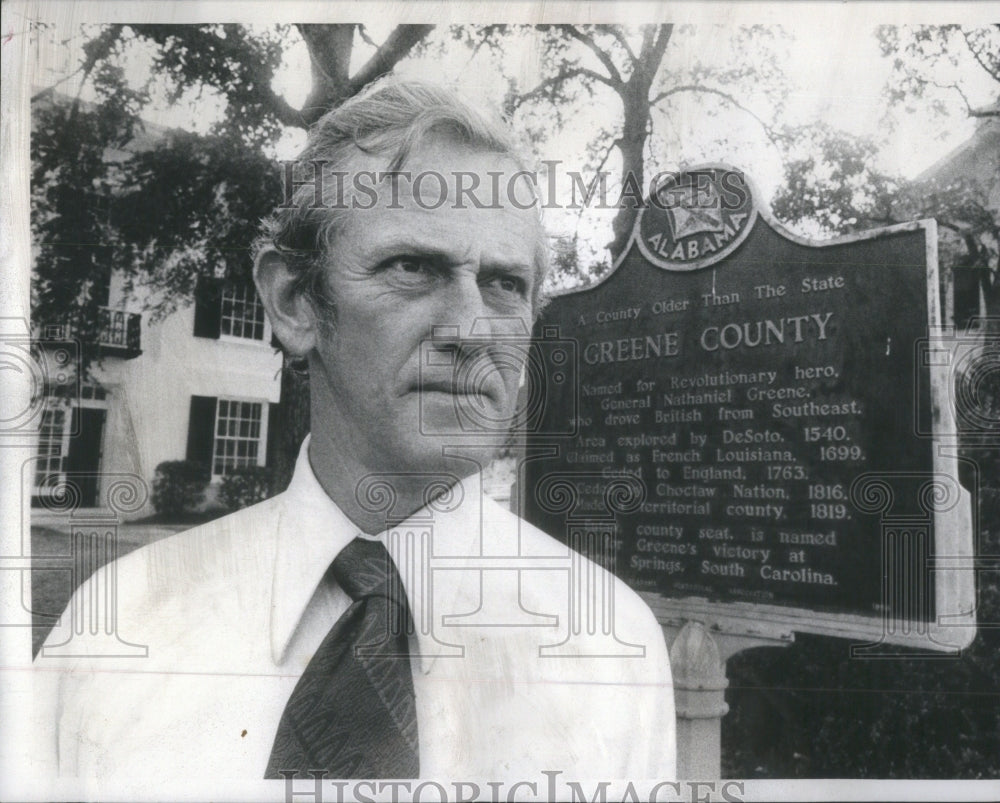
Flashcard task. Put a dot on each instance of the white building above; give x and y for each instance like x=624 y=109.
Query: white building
x=976 y=162
x=198 y=385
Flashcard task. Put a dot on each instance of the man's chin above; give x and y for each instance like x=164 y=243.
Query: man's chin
x=449 y=455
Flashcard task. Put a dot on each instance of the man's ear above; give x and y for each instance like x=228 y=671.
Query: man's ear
x=290 y=312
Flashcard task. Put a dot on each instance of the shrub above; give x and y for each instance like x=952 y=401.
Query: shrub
x=245 y=486
x=179 y=486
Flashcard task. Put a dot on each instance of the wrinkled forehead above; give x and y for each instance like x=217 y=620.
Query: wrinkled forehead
x=442 y=173
x=441 y=186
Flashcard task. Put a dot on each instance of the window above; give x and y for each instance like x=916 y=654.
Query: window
x=71 y=446
x=53 y=437
x=225 y=434
x=89 y=391
x=242 y=312
x=228 y=309
x=237 y=435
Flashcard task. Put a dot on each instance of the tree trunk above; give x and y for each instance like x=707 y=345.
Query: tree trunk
x=631 y=145
x=635 y=130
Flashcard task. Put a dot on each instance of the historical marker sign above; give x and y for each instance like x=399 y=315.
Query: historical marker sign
x=773 y=399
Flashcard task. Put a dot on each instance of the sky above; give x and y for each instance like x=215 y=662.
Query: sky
x=834 y=74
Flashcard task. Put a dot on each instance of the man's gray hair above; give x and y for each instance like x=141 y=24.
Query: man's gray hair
x=391 y=116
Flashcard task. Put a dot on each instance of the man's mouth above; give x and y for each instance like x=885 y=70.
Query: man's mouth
x=479 y=392
x=453 y=389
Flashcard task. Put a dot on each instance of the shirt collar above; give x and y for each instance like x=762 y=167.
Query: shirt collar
x=312 y=530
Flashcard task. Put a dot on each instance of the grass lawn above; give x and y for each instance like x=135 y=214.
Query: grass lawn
x=51 y=588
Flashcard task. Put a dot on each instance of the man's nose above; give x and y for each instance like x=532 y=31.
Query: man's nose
x=461 y=310
x=461 y=317
x=466 y=326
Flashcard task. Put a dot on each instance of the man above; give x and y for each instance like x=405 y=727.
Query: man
x=409 y=300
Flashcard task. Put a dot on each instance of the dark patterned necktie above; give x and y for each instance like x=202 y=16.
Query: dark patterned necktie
x=353 y=711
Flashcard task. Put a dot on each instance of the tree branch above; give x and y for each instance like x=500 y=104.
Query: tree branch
x=282 y=109
x=488 y=36
x=365 y=37
x=944 y=223
x=660 y=46
x=991 y=69
x=718 y=92
x=563 y=76
x=393 y=49
x=95 y=49
x=972 y=112
x=616 y=32
x=42 y=92
x=330 y=49
x=648 y=34
x=604 y=58
x=614 y=143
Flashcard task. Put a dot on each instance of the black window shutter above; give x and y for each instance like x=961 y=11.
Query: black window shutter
x=101 y=290
x=208 y=308
x=201 y=430
x=273 y=411
x=966 y=276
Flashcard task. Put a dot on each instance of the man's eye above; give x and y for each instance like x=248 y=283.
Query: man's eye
x=410 y=269
x=410 y=265
x=510 y=284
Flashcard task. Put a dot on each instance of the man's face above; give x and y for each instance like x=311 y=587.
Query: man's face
x=425 y=298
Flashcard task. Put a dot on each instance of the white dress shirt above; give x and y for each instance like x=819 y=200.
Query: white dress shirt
x=508 y=681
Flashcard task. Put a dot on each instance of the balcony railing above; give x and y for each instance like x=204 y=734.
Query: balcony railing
x=114 y=333
x=120 y=332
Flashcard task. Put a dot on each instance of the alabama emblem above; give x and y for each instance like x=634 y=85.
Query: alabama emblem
x=696 y=217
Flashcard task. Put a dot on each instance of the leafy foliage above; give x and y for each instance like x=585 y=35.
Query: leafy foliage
x=933 y=62
x=162 y=208
x=239 y=65
x=832 y=182
x=189 y=207
x=179 y=486
x=811 y=711
x=834 y=186
x=245 y=486
x=72 y=191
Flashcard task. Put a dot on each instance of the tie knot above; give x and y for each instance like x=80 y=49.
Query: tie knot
x=364 y=569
